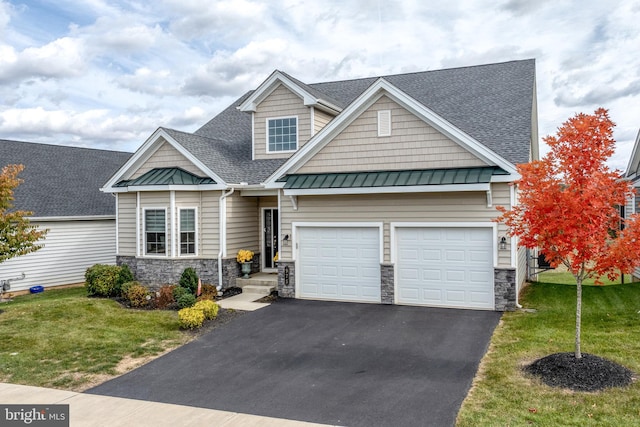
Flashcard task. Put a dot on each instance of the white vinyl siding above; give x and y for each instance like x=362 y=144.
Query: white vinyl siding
x=413 y=145
x=418 y=207
x=70 y=247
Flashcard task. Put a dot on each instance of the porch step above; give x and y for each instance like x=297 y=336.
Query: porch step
x=258 y=289
x=259 y=283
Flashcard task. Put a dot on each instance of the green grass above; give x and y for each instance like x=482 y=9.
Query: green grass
x=567 y=278
x=62 y=339
x=503 y=396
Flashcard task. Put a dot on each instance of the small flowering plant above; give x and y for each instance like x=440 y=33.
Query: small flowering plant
x=276 y=258
x=244 y=255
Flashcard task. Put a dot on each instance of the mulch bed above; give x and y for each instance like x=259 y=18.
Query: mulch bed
x=272 y=297
x=224 y=316
x=590 y=373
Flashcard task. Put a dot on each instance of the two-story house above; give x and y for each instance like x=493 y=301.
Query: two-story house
x=378 y=190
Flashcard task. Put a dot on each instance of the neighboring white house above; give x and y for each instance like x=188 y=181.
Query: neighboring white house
x=61 y=188
x=633 y=174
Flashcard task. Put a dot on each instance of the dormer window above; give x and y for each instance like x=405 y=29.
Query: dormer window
x=282 y=134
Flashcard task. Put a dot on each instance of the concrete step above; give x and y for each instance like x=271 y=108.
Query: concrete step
x=258 y=289
x=263 y=279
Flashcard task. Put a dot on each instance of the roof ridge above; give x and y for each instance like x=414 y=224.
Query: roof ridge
x=384 y=76
x=64 y=146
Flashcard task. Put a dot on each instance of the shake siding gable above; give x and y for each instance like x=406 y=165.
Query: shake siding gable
x=167 y=157
x=413 y=144
x=280 y=103
x=415 y=207
x=320 y=120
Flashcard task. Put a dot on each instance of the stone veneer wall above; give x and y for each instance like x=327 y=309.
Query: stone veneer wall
x=386 y=283
x=505 y=288
x=286 y=290
x=155 y=272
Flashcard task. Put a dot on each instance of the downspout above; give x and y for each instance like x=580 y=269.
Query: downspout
x=222 y=222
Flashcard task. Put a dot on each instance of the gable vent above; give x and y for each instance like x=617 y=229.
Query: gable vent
x=384 y=123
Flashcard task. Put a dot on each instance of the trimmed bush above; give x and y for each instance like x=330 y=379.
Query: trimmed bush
x=178 y=291
x=209 y=292
x=102 y=280
x=189 y=280
x=208 y=308
x=124 y=275
x=165 y=296
x=190 y=318
x=186 y=300
x=137 y=295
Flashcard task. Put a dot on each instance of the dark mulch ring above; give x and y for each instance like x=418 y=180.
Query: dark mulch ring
x=590 y=373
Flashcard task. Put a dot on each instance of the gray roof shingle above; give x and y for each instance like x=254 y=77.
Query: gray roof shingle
x=491 y=103
x=61 y=180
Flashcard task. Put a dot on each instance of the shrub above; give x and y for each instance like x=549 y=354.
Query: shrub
x=190 y=318
x=165 y=296
x=178 y=291
x=102 y=280
x=137 y=295
x=209 y=292
x=124 y=275
x=208 y=308
x=189 y=280
x=186 y=300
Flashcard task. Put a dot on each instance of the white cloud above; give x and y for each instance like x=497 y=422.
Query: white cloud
x=60 y=58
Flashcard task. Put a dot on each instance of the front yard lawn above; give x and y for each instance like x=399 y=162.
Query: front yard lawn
x=62 y=339
x=503 y=396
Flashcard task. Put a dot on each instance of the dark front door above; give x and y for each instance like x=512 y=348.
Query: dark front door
x=270 y=236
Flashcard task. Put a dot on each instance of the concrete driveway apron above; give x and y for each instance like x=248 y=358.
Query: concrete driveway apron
x=325 y=362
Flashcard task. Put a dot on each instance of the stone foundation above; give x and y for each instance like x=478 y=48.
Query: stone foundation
x=286 y=288
x=504 y=284
x=155 y=272
x=387 y=283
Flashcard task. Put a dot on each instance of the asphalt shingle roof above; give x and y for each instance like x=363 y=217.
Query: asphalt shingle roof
x=60 y=180
x=491 y=103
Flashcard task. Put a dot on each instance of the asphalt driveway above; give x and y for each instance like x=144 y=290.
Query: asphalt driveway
x=325 y=362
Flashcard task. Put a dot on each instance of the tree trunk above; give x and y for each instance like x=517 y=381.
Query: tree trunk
x=578 y=315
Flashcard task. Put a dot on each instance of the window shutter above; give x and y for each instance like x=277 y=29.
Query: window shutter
x=384 y=123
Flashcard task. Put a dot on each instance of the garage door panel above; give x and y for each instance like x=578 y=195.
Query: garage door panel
x=454 y=267
x=348 y=266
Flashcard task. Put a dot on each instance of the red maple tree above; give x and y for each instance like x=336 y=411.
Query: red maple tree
x=568 y=206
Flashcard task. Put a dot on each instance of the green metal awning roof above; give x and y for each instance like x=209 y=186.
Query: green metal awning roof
x=478 y=175
x=166 y=176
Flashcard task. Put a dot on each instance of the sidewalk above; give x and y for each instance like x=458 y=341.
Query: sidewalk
x=90 y=410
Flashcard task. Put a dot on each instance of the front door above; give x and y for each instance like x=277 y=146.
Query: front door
x=270 y=237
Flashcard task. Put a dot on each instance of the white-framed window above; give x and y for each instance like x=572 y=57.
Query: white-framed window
x=188 y=227
x=282 y=134
x=384 y=123
x=155 y=231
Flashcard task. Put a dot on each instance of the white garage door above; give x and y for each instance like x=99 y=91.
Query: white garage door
x=447 y=267
x=339 y=263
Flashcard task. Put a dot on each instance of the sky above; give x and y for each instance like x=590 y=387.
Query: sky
x=106 y=74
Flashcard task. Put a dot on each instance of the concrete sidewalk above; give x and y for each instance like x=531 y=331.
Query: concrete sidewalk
x=91 y=410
